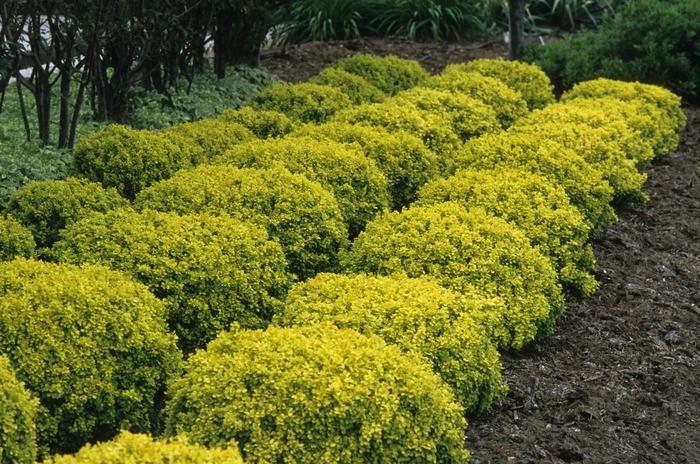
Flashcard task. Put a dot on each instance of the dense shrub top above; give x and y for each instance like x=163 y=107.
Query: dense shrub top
x=389 y=74
x=316 y=394
x=417 y=315
x=212 y=136
x=91 y=344
x=17 y=414
x=357 y=88
x=262 y=123
x=464 y=250
x=15 y=239
x=299 y=213
x=304 y=102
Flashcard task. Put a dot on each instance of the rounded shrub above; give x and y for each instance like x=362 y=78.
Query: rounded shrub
x=469 y=116
x=316 y=394
x=582 y=182
x=15 y=239
x=134 y=448
x=300 y=214
x=360 y=187
x=17 y=415
x=358 y=89
x=263 y=123
x=212 y=135
x=466 y=250
x=527 y=79
x=506 y=102
x=91 y=344
x=539 y=208
x=211 y=271
x=303 y=102
x=46 y=206
x=403 y=158
x=389 y=74
x=129 y=160
x=418 y=316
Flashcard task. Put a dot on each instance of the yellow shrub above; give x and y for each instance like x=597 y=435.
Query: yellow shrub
x=212 y=135
x=355 y=87
x=302 y=102
x=389 y=74
x=17 y=414
x=262 y=123
x=15 y=240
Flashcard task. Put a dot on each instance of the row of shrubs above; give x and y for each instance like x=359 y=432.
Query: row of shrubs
x=326 y=275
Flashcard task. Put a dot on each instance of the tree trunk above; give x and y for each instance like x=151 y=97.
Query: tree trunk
x=516 y=22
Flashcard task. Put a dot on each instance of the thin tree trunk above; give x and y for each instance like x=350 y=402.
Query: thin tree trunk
x=23 y=109
x=516 y=22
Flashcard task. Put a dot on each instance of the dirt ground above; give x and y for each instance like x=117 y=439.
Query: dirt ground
x=619 y=381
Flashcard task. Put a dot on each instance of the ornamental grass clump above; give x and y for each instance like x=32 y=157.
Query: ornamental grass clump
x=389 y=74
x=46 y=207
x=418 y=316
x=91 y=344
x=535 y=205
x=303 y=102
x=316 y=394
x=466 y=250
x=210 y=271
x=212 y=135
x=300 y=214
x=361 y=188
x=358 y=89
x=15 y=239
x=17 y=415
x=263 y=123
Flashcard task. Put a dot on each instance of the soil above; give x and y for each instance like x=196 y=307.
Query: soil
x=619 y=380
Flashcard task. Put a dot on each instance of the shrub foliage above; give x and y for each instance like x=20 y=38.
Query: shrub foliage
x=389 y=74
x=15 y=240
x=17 y=415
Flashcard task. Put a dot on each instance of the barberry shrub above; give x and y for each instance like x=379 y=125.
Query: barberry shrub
x=389 y=74
x=15 y=239
x=358 y=89
x=213 y=136
x=17 y=415
x=303 y=102
x=263 y=123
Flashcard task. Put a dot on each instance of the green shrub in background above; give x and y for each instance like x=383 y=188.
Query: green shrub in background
x=303 y=102
x=210 y=271
x=316 y=394
x=46 y=207
x=403 y=157
x=299 y=213
x=91 y=344
x=506 y=102
x=355 y=87
x=582 y=182
x=536 y=206
x=264 y=124
x=320 y=20
x=15 y=239
x=389 y=74
x=469 y=116
x=131 y=448
x=213 y=135
x=17 y=415
x=532 y=83
x=358 y=184
x=466 y=250
x=417 y=315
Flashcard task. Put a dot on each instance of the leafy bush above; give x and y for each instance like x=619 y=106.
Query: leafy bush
x=320 y=20
x=46 y=207
x=532 y=83
x=355 y=87
x=359 y=185
x=465 y=250
x=210 y=271
x=299 y=213
x=130 y=448
x=536 y=206
x=263 y=124
x=15 y=239
x=415 y=314
x=389 y=74
x=91 y=344
x=17 y=414
x=404 y=158
x=316 y=394
x=302 y=102
x=561 y=166
x=506 y=102
x=213 y=135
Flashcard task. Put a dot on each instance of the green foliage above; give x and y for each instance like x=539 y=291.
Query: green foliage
x=404 y=158
x=352 y=85
x=320 y=20
x=91 y=344
x=213 y=135
x=46 y=207
x=303 y=102
x=264 y=124
x=532 y=83
x=389 y=74
x=130 y=448
x=297 y=212
x=357 y=183
x=316 y=394
x=561 y=166
x=17 y=415
x=210 y=271
x=417 y=315
x=536 y=206
x=15 y=240
x=466 y=250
